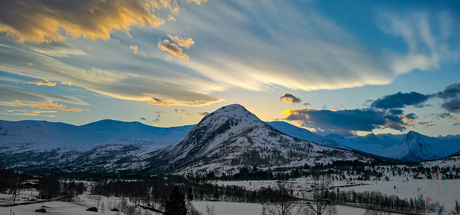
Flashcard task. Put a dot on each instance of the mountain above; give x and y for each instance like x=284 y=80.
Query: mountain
x=224 y=140
x=412 y=147
x=232 y=137
x=332 y=140
x=34 y=144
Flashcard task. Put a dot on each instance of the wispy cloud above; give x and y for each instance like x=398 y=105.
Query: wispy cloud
x=171 y=18
x=66 y=83
x=186 y=43
x=11 y=94
x=30 y=113
x=93 y=19
x=44 y=82
x=172 y=48
x=156 y=101
x=120 y=85
x=137 y=51
x=51 y=106
x=168 y=57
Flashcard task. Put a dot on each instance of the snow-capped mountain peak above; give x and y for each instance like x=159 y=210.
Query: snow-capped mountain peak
x=232 y=137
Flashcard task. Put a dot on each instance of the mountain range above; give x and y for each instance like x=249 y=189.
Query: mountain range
x=224 y=140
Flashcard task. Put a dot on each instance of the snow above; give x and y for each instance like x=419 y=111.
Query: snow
x=410 y=147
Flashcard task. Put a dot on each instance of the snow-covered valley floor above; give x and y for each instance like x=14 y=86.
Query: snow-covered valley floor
x=400 y=187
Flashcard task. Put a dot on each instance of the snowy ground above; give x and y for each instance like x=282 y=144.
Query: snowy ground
x=400 y=187
x=66 y=208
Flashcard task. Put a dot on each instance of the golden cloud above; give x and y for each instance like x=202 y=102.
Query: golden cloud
x=172 y=48
x=171 y=18
x=66 y=83
x=44 y=82
x=41 y=21
x=138 y=51
x=186 y=43
x=156 y=101
x=198 y=2
x=51 y=106
x=31 y=113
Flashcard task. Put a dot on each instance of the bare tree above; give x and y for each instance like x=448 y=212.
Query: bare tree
x=317 y=198
x=284 y=203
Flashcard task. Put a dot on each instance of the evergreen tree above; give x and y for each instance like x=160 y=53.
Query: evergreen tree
x=176 y=203
x=190 y=194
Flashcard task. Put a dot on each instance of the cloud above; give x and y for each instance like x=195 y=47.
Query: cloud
x=142 y=118
x=56 y=49
x=181 y=111
x=66 y=83
x=427 y=124
x=198 y=2
x=452 y=106
x=456 y=124
x=451 y=91
x=31 y=113
x=10 y=94
x=290 y=98
x=396 y=111
x=41 y=21
x=155 y=101
x=137 y=51
x=416 y=32
x=203 y=113
x=168 y=57
x=172 y=48
x=186 y=43
x=171 y=18
x=51 y=106
x=44 y=82
x=120 y=85
x=156 y=120
x=306 y=104
x=347 y=122
x=400 y=100
x=8 y=79
x=444 y=116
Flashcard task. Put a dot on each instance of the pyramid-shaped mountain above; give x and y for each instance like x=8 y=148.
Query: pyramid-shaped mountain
x=232 y=137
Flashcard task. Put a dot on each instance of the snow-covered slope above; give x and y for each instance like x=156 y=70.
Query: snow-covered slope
x=232 y=137
x=43 y=136
x=412 y=147
x=48 y=144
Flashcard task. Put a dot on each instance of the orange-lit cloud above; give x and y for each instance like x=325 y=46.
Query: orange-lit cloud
x=40 y=21
x=172 y=48
x=31 y=113
x=182 y=111
x=44 y=82
x=171 y=18
x=66 y=83
x=198 y=2
x=51 y=106
x=138 y=51
x=156 y=101
x=186 y=43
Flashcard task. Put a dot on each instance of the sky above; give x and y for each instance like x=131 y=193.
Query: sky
x=345 y=67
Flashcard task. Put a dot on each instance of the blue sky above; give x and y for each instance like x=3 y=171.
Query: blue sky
x=317 y=64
